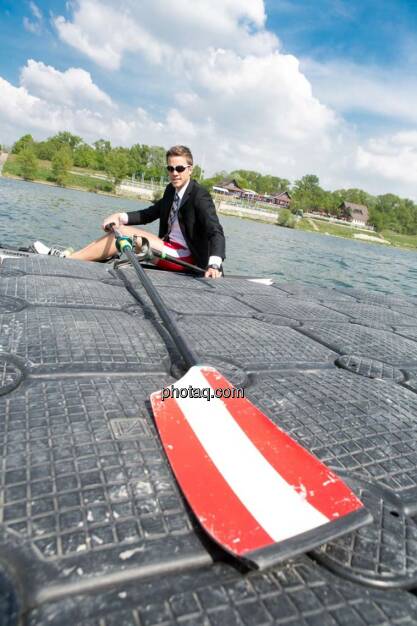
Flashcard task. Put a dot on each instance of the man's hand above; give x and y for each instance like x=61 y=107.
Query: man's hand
x=119 y=219
x=212 y=272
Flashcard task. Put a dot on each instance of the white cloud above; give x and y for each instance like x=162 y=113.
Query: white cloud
x=159 y=29
x=393 y=158
x=37 y=13
x=21 y=112
x=351 y=87
x=74 y=87
x=35 y=26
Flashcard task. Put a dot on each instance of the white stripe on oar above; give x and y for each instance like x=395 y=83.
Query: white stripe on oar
x=279 y=509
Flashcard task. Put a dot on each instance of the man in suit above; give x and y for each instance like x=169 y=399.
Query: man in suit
x=188 y=224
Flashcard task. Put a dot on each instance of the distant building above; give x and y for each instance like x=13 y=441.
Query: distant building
x=222 y=190
x=282 y=199
x=249 y=194
x=230 y=186
x=357 y=214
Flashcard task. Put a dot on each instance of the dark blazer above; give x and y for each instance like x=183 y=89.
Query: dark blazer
x=197 y=218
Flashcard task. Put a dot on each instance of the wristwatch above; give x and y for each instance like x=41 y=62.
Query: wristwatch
x=214 y=266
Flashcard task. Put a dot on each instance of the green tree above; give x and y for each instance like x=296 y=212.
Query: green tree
x=65 y=138
x=197 y=172
x=28 y=162
x=61 y=164
x=262 y=184
x=307 y=194
x=102 y=149
x=116 y=164
x=85 y=156
x=286 y=218
x=23 y=142
x=45 y=150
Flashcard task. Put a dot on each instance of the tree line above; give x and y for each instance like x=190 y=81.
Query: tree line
x=65 y=150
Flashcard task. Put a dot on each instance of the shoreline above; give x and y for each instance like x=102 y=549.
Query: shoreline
x=240 y=212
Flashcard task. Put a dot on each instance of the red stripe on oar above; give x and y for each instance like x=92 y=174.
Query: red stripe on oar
x=321 y=488
x=214 y=503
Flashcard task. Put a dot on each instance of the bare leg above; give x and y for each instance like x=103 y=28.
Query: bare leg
x=105 y=247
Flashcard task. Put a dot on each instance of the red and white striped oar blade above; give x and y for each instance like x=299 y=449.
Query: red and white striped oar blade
x=255 y=491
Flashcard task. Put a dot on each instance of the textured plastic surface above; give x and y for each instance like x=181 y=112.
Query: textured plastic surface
x=10 y=603
x=317 y=294
x=372 y=315
x=293 y=308
x=370 y=368
x=383 y=554
x=295 y=594
x=93 y=527
x=52 y=266
x=254 y=344
x=51 y=339
x=53 y=291
x=381 y=345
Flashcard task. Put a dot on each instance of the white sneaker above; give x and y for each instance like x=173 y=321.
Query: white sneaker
x=41 y=248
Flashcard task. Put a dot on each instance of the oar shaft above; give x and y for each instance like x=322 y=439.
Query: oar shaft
x=173 y=259
x=171 y=325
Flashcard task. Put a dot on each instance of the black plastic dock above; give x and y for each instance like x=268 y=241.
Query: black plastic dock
x=94 y=530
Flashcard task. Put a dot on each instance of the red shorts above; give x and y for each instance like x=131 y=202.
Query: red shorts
x=175 y=250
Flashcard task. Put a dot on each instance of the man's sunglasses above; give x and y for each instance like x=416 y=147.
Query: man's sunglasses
x=177 y=168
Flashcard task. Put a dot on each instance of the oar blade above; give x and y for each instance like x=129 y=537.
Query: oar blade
x=254 y=490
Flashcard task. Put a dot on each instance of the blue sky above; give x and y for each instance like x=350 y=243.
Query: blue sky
x=287 y=87
x=370 y=31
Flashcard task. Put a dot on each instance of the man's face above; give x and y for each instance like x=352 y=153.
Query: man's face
x=179 y=179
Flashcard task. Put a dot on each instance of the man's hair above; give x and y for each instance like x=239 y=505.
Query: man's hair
x=180 y=151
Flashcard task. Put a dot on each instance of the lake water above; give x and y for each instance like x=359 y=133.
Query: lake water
x=30 y=211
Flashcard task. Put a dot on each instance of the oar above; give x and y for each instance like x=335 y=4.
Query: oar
x=258 y=493
x=172 y=259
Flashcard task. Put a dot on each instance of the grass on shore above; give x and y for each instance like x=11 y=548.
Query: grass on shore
x=318 y=226
x=347 y=232
x=396 y=239
x=44 y=174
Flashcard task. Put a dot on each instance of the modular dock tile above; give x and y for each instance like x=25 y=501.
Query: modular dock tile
x=370 y=368
x=377 y=344
x=73 y=292
x=252 y=344
x=75 y=339
x=383 y=554
x=317 y=294
x=409 y=332
x=191 y=303
x=373 y=315
x=296 y=594
x=367 y=297
x=41 y=265
x=11 y=606
x=293 y=308
x=364 y=426
x=86 y=489
x=410 y=311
